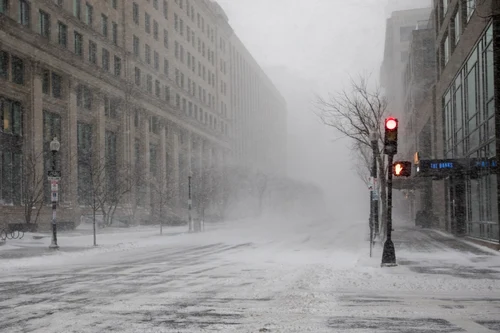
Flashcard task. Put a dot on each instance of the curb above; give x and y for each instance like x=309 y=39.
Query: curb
x=482 y=242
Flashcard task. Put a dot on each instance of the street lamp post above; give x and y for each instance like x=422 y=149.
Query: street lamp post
x=54 y=147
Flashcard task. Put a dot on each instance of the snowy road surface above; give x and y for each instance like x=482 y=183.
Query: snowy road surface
x=257 y=277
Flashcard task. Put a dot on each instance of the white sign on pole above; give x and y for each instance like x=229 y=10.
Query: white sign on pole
x=54 y=186
x=55 y=197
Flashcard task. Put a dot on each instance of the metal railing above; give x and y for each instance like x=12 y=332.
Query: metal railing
x=484 y=229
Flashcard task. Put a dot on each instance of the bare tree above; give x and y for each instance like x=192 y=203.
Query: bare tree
x=118 y=183
x=93 y=191
x=162 y=193
x=356 y=113
x=33 y=197
x=261 y=186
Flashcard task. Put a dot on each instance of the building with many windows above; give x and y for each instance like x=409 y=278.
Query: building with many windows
x=160 y=89
x=457 y=117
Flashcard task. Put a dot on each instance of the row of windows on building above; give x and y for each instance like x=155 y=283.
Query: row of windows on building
x=462 y=14
x=190 y=12
x=469 y=103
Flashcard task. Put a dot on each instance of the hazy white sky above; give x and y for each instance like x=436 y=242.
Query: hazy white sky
x=322 y=39
x=320 y=43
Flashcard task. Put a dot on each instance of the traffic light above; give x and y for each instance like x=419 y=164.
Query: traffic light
x=391 y=136
x=401 y=169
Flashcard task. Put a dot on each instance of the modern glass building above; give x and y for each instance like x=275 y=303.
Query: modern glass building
x=469 y=132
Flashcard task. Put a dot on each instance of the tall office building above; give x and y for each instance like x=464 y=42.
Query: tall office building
x=149 y=87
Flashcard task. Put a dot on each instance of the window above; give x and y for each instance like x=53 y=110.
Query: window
x=24 y=12
x=155 y=30
x=155 y=4
x=135 y=13
x=156 y=59
x=46 y=82
x=118 y=66
x=136 y=47
x=77 y=8
x=148 y=54
x=446 y=50
x=176 y=50
x=89 y=13
x=3 y=6
x=17 y=70
x=181 y=27
x=176 y=22
x=44 y=24
x=104 y=20
x=84 y=143
x=137 y=77
x=92 y=52
x=457 y=27
x=105 y=60
x=165 y=38
x=157 y=88
x=78 y=44
x=56 y=85
x=4 y=64
x=165 y=67
x=11 y=117
x=115 y=33
x=62 y=34
x=147 y=23
x=165 y=9
x=84 y=97
x=114 y=3
x=111 y=107
x=149 y=83
x=177 y=101
x=167 y=93
x=471 y=7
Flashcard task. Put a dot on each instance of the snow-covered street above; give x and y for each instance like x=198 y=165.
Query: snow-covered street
x=254 y=276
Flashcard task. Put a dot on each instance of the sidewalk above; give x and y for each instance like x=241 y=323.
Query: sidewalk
x=80 y=239
x=430 y=251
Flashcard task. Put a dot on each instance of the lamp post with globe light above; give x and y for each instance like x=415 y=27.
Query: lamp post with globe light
x=55 y=145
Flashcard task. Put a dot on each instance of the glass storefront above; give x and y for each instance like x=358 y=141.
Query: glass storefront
x=469 y=112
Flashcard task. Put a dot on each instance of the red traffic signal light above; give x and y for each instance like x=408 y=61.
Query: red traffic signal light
x=391 y=123
x=391 y=136
x=401 y=169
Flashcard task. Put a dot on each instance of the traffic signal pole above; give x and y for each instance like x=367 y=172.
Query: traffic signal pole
x=389 y=254
x=375 y=190
x=390 y=149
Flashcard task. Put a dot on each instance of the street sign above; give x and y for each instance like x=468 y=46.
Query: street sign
x=55 y=197
x=53 y=179
x=54 y=186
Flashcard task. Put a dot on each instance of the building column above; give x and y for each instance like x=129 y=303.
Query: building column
x=163 y=156
x=175 y=172
x=100 y=131
x=69 y=147
x=36 y=135
x=146 y=161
